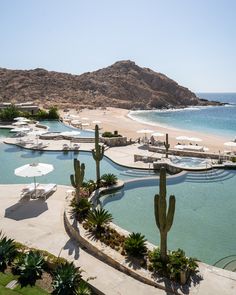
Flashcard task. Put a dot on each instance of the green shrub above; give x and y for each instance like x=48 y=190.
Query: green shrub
x=8 y=251
x=109 y=179
x=99 y=218
x=83 y=289
x=233 y=159
x=135 y=245
x=176 y=263
x=53 y=113
x=9 y=113
x=66 y=279
x=81 y=208
x=30 y=267
x=110 y=134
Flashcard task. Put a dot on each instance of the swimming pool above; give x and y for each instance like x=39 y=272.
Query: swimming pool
x=57 y=126
x=191 y=162
x=12 y=157
x=204 y=223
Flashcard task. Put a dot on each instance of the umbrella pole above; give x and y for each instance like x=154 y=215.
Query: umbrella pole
x=35 y=187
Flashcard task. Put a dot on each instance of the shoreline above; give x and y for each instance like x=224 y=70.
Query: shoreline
x=119 y=119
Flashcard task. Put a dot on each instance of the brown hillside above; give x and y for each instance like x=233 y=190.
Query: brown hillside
x=123 y=84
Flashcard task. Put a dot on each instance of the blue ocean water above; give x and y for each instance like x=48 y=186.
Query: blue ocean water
x=218 y=120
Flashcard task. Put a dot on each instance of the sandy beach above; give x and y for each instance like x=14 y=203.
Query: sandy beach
x=117 y=119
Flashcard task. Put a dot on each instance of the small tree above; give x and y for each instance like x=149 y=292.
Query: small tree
x=164 y=219
x=53 y=113
x=9 y=113
x=77 y=178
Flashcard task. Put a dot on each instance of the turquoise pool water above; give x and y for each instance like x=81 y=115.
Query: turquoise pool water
x=204 y=224
x=12 y=157
x=57 y=126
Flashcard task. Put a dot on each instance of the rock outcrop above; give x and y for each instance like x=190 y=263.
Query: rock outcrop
x=123 y=84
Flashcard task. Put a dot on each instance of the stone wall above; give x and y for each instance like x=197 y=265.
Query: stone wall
x=114 y=141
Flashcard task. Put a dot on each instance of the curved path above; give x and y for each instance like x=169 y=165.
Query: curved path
x=39 y=224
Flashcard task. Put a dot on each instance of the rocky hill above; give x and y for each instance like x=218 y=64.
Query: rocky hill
x=123 y=84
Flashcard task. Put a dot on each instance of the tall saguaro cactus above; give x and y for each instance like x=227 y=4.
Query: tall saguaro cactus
x=167 y=145
x=98 y=153
x=77 y=178
x=164 y=218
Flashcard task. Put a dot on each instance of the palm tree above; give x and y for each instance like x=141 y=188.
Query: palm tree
x=99 y=218
x=135 y=245
x=109 y=179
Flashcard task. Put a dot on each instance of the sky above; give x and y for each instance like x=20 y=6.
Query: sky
x=190 y=41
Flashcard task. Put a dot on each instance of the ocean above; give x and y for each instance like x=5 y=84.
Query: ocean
x=218 y=120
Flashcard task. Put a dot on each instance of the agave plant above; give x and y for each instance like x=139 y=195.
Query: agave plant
x=81 y=209
x=99 y=218
x=83 y=289
x=8 y=251
x=30 y=267
x=66 y=279
x=135 y=245
x=90 y=185
x=109 y=179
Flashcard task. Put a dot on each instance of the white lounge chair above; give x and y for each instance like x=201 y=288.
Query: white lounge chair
x=76 y=146
x=45 y=190
x=65 y=147
x=29 y=190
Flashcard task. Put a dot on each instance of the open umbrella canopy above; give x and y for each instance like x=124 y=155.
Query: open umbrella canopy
x=145 y=131
x=23 y=129
x=19 y=118
x=34 y=170
x=183 y=137
x=96 y=122
x=19 y=123
x=195 y=139
x=230 y=143
x=157 y=134
x=70 y=133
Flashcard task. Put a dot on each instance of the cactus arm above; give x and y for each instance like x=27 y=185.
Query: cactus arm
x=156 y=210
x=171 y=212
x=72 y=180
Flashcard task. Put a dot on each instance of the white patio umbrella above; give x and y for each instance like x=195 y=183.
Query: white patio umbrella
x=19 y=123
x=76 y=122
x=96 y=122
x=145 y=131
x=85 y=124
x=23 y=129
x=231 y=144
x=85 y=118
x=34 y=170
x=19 y=118
x=182 y=137
x=195 y=139
x=70 y=133
x=158 y=134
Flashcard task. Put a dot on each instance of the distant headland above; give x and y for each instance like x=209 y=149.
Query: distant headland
x=122 y=85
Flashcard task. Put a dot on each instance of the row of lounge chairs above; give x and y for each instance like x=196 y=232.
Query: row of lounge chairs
x=36 y=191
x=75 y=146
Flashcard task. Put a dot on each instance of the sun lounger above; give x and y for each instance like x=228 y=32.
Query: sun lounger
x=29 y=190
x=65 y=147
x=44 y=190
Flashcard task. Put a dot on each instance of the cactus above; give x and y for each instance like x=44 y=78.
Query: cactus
x=167 y=145
x=163 y=218
x=98 y=153
x=77 y=178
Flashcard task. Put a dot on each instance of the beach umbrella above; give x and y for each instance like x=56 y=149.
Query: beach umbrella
x=73 y=116
x=19 y=123
x=96 y=122
x=34 y=170
x=230 y=144
x=19 y=118
x=76 y=122
x=195 y=139
x=85 y=124
x=70 y=133
x=145 y=131
x=23 y=129
x=85 y=118
x=183 y=137
x=158 y=134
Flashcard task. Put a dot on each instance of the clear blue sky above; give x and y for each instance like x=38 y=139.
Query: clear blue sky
x=191 y=41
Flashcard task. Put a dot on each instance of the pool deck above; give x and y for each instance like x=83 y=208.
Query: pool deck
x=28 y=222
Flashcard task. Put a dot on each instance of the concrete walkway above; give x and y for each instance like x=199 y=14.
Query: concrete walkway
x=39 y=224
